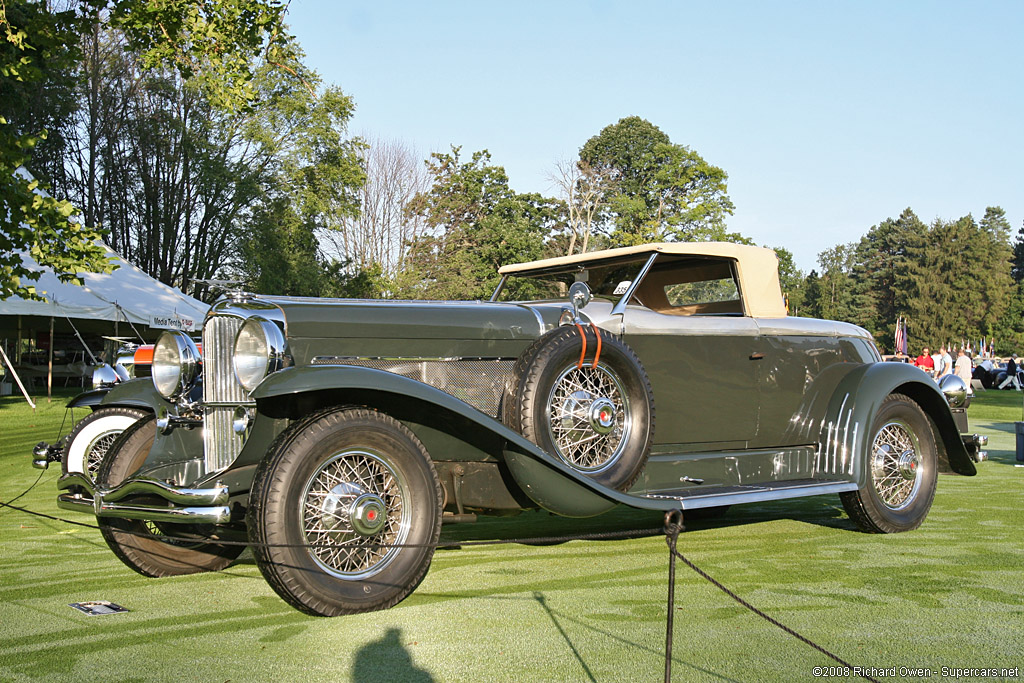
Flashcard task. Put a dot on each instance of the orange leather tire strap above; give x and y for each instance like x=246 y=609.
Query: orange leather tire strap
x=583 y=352
x=597 y=354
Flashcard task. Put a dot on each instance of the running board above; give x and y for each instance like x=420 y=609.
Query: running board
x=695 y=497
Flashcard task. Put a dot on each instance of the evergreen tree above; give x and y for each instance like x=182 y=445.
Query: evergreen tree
x=835 y=301
x=879 y=268
x=959 y=282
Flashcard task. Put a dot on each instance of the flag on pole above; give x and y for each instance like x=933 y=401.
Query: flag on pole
x=901 y=337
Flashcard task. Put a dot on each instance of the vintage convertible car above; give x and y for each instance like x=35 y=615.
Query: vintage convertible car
x=335 y=436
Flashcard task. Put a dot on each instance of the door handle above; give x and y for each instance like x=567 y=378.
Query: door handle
x=757 y=355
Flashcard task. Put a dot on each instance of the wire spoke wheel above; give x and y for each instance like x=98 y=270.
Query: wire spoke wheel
x=354 y=513
x=582 y=395
x=896 y=464
x=589 y=416
x=95 y=451
x=900 y=470
x=155 y=548
x=344 y=512
x=91 y=439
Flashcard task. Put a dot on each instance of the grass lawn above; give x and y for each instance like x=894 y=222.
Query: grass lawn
x=950 y=594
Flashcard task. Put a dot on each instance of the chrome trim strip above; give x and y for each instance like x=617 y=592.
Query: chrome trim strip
x=540 y=320
x=846 y=438
x=740 y=497
x=620 y=306
x=853 y=446
x=341 y=360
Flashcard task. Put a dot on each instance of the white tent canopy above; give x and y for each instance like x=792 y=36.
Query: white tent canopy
x=125 y=295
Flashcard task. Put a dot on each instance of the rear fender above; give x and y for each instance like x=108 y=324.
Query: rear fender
x=844 y=439
x=549 y=482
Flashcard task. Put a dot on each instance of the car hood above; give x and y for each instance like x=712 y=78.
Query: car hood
x=382 y=319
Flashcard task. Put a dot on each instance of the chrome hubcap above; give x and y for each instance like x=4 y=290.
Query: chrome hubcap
x=908 y=464
x=896 y=465
x=368 y=514
x=353 y=510
x=602 y=415
x=589 y=419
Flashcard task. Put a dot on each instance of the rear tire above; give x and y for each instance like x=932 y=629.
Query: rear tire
x=138 y=543
x=332 y=486
x=901 y=470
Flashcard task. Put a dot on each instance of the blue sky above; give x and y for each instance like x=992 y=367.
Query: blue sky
x=828 y=117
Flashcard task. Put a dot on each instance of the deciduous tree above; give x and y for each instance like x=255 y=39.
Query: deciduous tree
x=213 y=43
x=662 y=191
x=475 y=224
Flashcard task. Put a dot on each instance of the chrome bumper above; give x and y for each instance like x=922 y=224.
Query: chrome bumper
x=134 y=499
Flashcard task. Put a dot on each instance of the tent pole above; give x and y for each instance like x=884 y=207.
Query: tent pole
x=49 y=371
x=16 y=378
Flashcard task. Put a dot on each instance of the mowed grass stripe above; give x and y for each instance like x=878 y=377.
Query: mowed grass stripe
x=948 y=594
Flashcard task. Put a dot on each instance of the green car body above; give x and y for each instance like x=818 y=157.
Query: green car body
x=748 y=403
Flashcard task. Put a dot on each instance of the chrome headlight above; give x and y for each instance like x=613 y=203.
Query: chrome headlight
x=954 y=389
x=259 y=351
x=175 y=364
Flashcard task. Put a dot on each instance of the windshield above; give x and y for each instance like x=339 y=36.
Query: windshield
x=606 y=281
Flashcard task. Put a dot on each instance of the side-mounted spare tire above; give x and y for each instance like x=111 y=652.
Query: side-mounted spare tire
x=582 y=395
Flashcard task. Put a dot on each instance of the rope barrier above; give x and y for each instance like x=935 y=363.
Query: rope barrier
x=672 y=530
x=673 y=527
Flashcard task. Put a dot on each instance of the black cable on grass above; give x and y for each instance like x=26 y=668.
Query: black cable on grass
x=673 y=527
x=595 y=536
x=23 y=494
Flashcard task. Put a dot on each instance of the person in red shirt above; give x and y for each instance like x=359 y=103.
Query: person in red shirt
x=925 y=362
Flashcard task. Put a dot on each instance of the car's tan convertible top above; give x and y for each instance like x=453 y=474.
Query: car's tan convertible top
x=757 y=268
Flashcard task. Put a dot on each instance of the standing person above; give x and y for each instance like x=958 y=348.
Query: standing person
x=937 y=363
x=947 y=363
x=964 y=369
x=925 y=362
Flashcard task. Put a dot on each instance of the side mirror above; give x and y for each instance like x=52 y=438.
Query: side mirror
x=579 y=297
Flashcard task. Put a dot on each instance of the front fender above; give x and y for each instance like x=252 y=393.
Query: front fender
x=137 y=393
x=90 y=398
x=844 y=439
x=544 y=478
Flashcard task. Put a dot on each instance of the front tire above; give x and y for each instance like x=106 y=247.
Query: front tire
x=901 y=470
x=93 y=436
x=140 y=544
x=335 y=496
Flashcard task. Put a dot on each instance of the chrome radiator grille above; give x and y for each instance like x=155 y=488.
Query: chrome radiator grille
x=478 y=382
x=221 y=393
x=219 y=382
